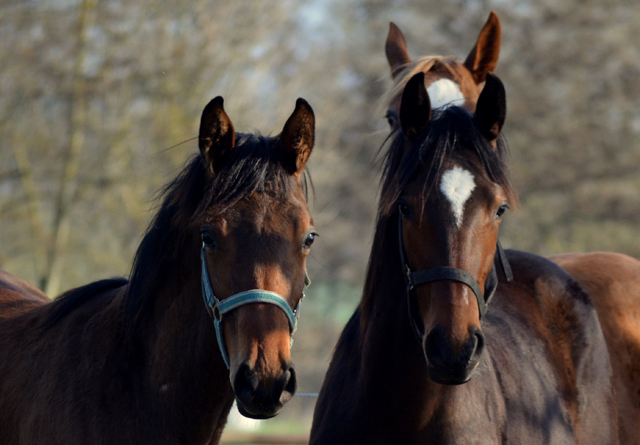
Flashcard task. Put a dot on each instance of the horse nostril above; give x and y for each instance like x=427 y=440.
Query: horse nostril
x=435 y=349
x=479 y=337
x=440 y=353
x=245 y=382
x=291 y=385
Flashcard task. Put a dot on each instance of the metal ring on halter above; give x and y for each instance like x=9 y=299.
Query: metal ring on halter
x=451 y=273
x=217 y=308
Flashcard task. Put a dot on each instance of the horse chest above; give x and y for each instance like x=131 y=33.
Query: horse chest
x=473 y=413
x=528 y=383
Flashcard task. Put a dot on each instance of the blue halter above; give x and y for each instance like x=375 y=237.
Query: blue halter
x=217 y=308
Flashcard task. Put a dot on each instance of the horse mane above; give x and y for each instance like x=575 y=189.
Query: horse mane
x=74 y=298
x=451 y=134
x=423 y=64
x=254 y=166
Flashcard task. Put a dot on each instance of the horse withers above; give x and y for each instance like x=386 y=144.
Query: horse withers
x=454 y=340
x=147 y=360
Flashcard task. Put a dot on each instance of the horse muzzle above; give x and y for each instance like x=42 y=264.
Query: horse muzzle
x=262 y=398
x=448 y=367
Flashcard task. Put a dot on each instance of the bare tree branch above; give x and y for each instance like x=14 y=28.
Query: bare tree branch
x=62 y=218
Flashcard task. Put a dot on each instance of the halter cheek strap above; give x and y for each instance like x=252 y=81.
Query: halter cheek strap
x=451 y=273
x=217 y=308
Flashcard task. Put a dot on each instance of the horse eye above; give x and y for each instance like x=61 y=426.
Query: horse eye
x=309 y=239
x=501 y=211
x=392 y=119
x=405 y=209
x=208 y=239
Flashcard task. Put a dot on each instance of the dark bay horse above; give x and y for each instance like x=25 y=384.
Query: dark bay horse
x=611 y=279
x=140 y=361
x=425 y=358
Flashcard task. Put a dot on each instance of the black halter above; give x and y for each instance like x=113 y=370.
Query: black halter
x=451 y=273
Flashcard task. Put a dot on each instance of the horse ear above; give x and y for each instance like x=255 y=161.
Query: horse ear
x=298 y=137
x=491 y=109
x=483 y=58
x=415 y=108
x=396 y=50
x=217 y=137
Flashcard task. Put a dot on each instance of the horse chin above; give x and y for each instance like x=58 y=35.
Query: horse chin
x=261 y=415
x=450 y=376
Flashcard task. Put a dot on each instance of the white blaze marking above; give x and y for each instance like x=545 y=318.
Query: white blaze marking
x=443 y=92
x=456 y=185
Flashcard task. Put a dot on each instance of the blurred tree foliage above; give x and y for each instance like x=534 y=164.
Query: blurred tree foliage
x=94 y=93
x=100 y=100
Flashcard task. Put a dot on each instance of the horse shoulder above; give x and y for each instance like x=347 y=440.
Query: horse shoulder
x=37 y=362
x=612 y=280
x=567 y=321
x=18 y=299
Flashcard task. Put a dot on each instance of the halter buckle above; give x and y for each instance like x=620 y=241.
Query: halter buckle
x=215 y=311
x=407 y=272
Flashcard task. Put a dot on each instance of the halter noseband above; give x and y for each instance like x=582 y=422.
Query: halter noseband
x=451 y=273
x=217 y=308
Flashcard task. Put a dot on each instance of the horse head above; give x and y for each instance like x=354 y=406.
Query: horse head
x=254 y=250
x=448 y=80
x=450 y=189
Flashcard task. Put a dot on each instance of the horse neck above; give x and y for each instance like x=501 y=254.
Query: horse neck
x=176 y=346
x=393 y=368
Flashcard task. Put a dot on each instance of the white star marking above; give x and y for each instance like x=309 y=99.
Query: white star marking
x=456 y=185
x=444 y=92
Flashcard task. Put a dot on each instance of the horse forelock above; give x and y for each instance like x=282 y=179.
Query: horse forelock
x=451 y=134
x=458 y=72
x=254 y=168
